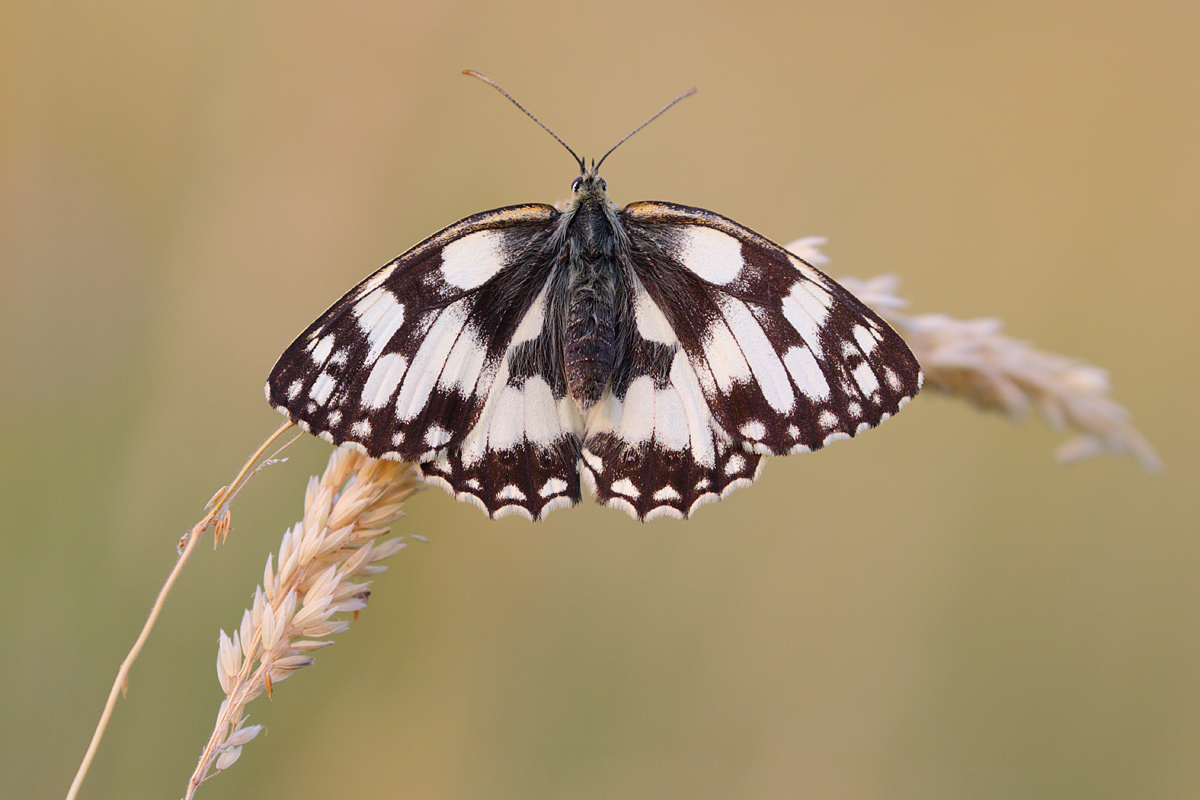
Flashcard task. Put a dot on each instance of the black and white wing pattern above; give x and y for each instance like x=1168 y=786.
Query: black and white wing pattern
x=738 y=349
x=704 y=348
x=443 y=357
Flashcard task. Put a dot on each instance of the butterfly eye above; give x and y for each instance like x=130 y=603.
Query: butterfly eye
x=603 y=185
x=575 y=184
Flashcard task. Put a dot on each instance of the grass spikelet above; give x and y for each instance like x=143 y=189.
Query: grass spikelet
x=318 y=574
x=974 y=360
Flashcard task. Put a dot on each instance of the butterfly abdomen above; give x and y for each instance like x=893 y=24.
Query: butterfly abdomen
x=589 y=344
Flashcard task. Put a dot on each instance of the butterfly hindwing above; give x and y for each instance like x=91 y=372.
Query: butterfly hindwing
x=440 y=357
x=521 y=456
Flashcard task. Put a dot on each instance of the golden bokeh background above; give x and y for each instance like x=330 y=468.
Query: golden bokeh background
x=936 y=610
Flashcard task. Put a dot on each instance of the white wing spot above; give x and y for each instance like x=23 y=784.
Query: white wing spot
x=385 y=377
x=674 y=417
x=754 y=430
x=651 y=322
x=807 y=373
x=714 y=256
x=360 y=428
x=380 y=315
x=542 y=425
x=518 y=413
x=335 y=417
x=472 y=260
x=760 y=355
x=724 y=356
x=671 y=418
x=321 y=389
x=827 y=419
x=552 y=487
x=637 y=418
x=666 y=493
x=695 y=410
x=864 y=376
x=472 y=483
x=854 y=409
x=464 y=363
x=866 y=338
x=510 y=492
x=436 y=436
x=376 y=279
x=626 y=487
x=397 y=439
x=807 y=307
x=294 y=390
x=893 y=380
x=735 y=464
x=804 y=269
x=322 y=348
x=429 y=360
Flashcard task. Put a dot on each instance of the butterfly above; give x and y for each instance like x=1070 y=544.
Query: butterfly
x=656 y=352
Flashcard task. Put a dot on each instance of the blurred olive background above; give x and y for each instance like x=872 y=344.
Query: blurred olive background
x=936 y=610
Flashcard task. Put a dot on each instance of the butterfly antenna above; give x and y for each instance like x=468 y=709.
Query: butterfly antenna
x=688 y=93
x=500 y=89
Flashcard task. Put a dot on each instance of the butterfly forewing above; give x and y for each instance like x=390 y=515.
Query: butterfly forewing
x=787 y=359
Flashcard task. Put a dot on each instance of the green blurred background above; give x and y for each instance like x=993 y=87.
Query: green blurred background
x=936 y=610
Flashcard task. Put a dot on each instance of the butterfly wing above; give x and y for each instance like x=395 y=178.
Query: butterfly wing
x=441 y=357
x=764 y=354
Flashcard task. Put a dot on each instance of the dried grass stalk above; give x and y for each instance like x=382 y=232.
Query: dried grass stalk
x=973 y=360
x=316 y=576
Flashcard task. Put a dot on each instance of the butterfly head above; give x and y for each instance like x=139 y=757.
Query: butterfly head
x=589 y=185
x=590 y=210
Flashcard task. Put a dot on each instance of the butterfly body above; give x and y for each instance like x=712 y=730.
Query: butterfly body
x=657 y=352
x=596 y=285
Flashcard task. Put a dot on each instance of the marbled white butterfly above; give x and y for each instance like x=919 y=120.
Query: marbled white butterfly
x=656 y=350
